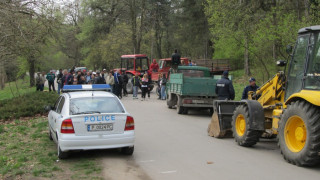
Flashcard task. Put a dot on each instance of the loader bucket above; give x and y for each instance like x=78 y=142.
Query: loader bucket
x=222 y=117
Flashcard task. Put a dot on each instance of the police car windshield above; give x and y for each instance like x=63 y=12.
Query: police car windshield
x=91 y=105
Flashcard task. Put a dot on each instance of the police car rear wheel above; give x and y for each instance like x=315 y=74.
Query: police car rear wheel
x=62 y=155
x=50 y=135
x=127 y=150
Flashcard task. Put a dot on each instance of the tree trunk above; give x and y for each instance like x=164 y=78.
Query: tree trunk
x=246 y=57
x=275 y=24
x=3 y=75
x=139 y=39
x=306 y=8
x=31 y=62
x=133 y=24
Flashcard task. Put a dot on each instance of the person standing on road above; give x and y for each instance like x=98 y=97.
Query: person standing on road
x=144 y=86
x=159 y=85
x=163 y=83
x=82 y=80
x=103 y=76
x=136 y=82
x=252 y=87
x=224 y=88
x=125 y=82
x=59 y=80
x=67 y=78
x=110 y=81
x=98 y=79
x=175 y=60
x=120 y=86
x=88 y=77
x=117 y=88
x=93 y=75
x=51 y=77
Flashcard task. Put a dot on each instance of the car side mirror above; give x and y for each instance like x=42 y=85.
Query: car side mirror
x=281 y=63
x=48 y=108
x=289 y=49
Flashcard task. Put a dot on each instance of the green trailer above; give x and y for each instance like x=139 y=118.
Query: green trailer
x=191 y=87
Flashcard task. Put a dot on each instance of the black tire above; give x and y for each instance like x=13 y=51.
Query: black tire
x=180 y=109
x=249 y=137
x=50 y=135
x=185 y=110
x=62 y=155
x=127 y=151
x=310 y=115
x=211 y=111
x=170 y=101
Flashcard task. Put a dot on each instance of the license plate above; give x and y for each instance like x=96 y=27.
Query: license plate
x=100 y=127
x=198 y=101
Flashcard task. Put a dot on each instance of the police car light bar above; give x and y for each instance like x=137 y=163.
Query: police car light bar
x=86 y=87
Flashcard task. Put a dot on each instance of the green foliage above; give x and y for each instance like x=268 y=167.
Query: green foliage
x=267 y=26
x=16 y=88
x=26 y=106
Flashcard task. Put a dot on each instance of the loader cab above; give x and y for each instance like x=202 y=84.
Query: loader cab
x=304 y=68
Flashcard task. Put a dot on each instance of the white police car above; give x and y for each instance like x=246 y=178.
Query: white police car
x=86 y=117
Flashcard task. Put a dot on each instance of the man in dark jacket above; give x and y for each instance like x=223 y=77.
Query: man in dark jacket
x=67 y=78
x=51 y=77
x=224 y=88
x=59 y=80
x=125 y=82
x=117 y=83
x=175 y=60
x=136 y=82
x=252 y=87
x=98 y=79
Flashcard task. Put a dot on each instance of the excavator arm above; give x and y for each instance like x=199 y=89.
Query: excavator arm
x=260 y=104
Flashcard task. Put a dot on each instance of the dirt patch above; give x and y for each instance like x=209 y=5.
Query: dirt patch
x=120 y=167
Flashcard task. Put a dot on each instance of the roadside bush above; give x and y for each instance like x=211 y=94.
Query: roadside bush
x=27 y=105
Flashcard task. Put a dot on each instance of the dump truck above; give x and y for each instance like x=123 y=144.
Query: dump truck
x=191 y=87
x=286 y=106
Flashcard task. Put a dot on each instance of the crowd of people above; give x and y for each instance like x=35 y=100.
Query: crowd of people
x=118 y=81
x=115 y=80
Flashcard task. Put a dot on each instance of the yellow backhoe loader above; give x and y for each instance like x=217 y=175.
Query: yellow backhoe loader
x=287 y=106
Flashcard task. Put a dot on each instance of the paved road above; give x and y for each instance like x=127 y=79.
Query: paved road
x=172 y=146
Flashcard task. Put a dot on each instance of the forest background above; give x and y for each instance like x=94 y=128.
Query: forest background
x=39 y=35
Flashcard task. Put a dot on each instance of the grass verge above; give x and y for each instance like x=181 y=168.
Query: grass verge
x=26 y=153
x=16 y=88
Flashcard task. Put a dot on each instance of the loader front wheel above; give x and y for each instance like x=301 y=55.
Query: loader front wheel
x=299 y=132
x=242 y=134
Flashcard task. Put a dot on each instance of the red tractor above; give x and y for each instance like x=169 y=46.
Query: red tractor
x=132 y=64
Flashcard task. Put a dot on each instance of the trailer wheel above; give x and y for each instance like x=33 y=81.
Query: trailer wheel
x=240 y=128
x=299 y=132
x=185 y=110
x=180 y=109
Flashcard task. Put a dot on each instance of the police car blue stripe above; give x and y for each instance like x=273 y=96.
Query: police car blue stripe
x=86 y=87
